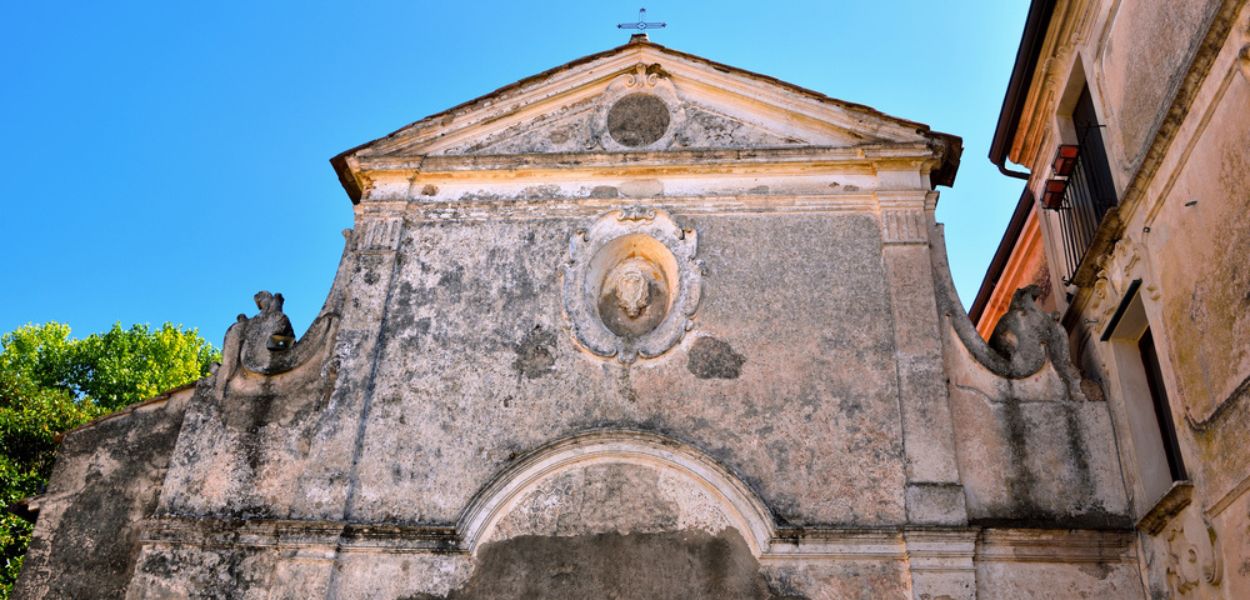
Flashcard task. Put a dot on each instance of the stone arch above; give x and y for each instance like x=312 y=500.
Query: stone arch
x=737 y=502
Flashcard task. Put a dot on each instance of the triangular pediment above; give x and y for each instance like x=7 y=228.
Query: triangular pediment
x=576 y=129
x=643 y=97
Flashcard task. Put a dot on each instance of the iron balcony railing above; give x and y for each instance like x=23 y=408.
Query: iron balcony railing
x=1081 y=200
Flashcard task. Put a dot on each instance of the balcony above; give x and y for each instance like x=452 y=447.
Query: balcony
x=1081 y=193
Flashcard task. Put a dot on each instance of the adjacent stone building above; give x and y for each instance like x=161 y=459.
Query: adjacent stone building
x=1133 y=120
x=640 y=326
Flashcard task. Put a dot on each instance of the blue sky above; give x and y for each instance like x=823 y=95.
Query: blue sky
x=166 y=160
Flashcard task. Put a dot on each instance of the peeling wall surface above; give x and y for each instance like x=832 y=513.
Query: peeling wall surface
x=641 y=326
x=1170 y=83
x=107 y=479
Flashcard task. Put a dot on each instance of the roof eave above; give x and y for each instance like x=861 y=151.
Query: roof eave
x=952 y=149
x=1027 y=55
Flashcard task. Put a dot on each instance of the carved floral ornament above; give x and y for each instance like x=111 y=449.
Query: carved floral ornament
x=1118 y=269
x=1193 y=556
x=631 y=284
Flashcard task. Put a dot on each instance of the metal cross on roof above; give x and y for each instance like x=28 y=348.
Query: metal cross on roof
x=642 y=24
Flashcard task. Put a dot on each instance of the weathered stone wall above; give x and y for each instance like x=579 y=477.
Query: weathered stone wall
x=1140 y=67
x=795 y=316
x=799 y=349
x=1202 y=236
x=1056 y=564
x=1186 y=239
x=476 y=374
x=106 y=482
x=1034 y=450
x=1170 y=82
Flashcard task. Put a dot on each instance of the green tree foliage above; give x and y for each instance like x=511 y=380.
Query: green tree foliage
x=51 y=383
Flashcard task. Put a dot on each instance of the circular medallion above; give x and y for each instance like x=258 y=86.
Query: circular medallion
x=632 y=284
x=638 y=120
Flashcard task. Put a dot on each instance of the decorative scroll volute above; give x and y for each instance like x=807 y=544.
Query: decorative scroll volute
x=1193 y=555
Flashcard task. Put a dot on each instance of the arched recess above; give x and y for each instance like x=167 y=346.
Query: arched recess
x=745 y=511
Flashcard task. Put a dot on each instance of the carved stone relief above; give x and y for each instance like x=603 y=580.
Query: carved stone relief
x=266 y=345
x=638 y=120
x=631 y=284
x=1193 y=556
x=640 y=110
x=903 y=227
x=1118 y=269
x=379 y=235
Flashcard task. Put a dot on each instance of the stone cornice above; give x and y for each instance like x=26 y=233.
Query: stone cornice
x=924 y=547
x=295 y=533
x=509 y=209
x=580 y=163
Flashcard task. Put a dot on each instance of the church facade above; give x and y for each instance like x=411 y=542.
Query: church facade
x=640 y=326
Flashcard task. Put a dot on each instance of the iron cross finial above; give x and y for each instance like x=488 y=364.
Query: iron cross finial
x=642 y=24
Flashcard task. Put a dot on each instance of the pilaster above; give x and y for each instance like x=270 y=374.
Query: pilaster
x=941 y=564
x=376 y=242
x=934 y=495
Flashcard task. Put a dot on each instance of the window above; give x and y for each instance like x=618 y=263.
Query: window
x=1151 y=429
x=1096 y=168
x=1084 y=193
x=1163 y=412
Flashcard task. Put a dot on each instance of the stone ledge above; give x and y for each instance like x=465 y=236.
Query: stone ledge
x=940 y=548
x=1055 y=545
x=291 y=533
x=1171 y=504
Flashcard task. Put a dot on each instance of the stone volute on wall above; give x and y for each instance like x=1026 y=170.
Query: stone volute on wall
x=266 y=345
